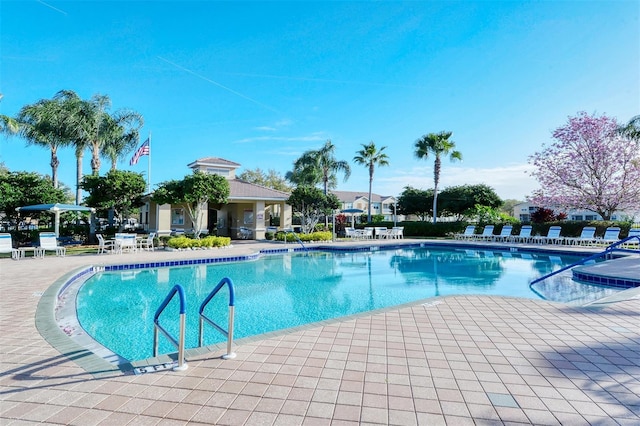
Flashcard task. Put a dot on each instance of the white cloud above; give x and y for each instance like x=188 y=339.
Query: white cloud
x=313 y=137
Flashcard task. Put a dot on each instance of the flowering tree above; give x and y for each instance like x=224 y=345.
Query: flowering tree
x=590 y=166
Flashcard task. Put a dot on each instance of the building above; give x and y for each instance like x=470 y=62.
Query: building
x=380 y=205
x=523 y=213
x=249 y=211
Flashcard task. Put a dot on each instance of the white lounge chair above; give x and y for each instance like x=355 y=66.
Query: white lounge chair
x=611 y=235
x=553 y=236
x=381 y=232
x=505 y=234
x=368 y=233
x=633 y=232
x=587 y=237
x=6 y=246
x=468 y=233
x=48 y=242
x=397 y=232
x=524 y=236
x=487 y=234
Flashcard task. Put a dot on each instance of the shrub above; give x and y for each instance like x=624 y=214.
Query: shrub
x=183 y=242
x=314 y=236
x=269 y=235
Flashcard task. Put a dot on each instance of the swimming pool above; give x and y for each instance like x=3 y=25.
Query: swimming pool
x=277 y=292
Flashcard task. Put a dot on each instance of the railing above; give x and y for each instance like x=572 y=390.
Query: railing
x=290 y=230
x=203 y=318
x=179 y=344
x=608 y=251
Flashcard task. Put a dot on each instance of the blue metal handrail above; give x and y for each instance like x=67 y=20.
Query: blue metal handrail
x=606 y=252
x=179 y=344
x=203 y=318
x=287 y=230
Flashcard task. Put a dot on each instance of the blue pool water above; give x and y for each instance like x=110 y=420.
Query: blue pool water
x=282 y=291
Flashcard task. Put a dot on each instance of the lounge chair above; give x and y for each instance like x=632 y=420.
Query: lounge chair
x=381 y=232
x=468 y=233
x=6 y=246
x=105 y=246
x=524 y=236
x=633 y=232
x=505 y=234
x=587 y=237
x=397 y=232
x=351 y=233
x=49 y=242
x=368 y=233
x=553 y=236
x=611 y=235
x=487 y=234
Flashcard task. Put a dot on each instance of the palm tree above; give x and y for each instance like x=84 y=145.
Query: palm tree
x=8 y=125
x=437 y=144
x=122 y=135
x=369 y=156
x=96 y=123
x=45 y=124
x=76 y=127
x=320 y=165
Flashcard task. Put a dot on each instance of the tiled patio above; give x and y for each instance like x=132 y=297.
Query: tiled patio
x=454 y=360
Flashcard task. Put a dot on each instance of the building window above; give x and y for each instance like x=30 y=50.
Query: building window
x=590 y=217
x=177 y=216
x=248 y=217
x=578 y=217
x=214 y=171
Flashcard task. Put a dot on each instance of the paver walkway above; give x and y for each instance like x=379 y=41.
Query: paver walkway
x=454 y=360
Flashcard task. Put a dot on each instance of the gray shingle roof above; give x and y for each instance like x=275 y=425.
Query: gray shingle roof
x=240 y=189
x=215 y=161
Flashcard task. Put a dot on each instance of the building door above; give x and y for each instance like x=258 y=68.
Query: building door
x=212 y=222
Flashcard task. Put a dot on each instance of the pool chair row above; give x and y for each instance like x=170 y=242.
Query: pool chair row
x=369 y=233
x=587 y=236
x=48 y=242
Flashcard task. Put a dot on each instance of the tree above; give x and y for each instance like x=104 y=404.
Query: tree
x=590 y=166
x=632 y=129
x=436 y=144
x=45 y=124
x=122 y=135
x=195 y=192
x=371 y=157
x=272 y=179
x=311 y=204
x=509 y=204
x=19 y=189
x=543 y=214
x=121 y=191
x=417 y=202
x=458 y=200
x=319 y=166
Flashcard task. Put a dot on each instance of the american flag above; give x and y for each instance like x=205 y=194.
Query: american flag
x=143 y=150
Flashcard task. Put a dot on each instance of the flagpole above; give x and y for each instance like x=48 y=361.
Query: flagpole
x=149 y=167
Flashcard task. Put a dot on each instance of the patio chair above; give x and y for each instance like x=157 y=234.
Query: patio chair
x=105 y=246
x=368 y=233
x=49 y=242
x=146 y=243
x=468 y=233
x=487 y=234
x=553 y=236
x=587 y=237
x=524 y=236
x=6 y=246
x=505 y=234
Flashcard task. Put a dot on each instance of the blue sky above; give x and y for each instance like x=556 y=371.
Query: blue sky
x=259 y=83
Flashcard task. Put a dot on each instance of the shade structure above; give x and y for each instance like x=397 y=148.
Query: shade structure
x=56 y=208
x=352 y=212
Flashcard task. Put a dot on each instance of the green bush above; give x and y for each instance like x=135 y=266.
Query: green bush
x=314 y=236
x=269 y=235
x=183 y=242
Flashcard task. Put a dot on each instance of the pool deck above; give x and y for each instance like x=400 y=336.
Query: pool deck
x=453 y=360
